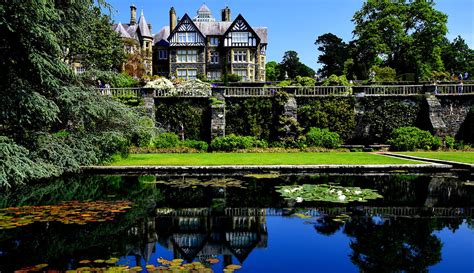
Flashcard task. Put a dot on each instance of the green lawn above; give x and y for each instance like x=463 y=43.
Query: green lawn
x=465 y=157
x=214 y=159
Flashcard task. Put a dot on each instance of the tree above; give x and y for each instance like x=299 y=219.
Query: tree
x=457 y=56
x=291 y=66
x=50 y=122
x=334 y=53
x=97 y=46
x=404 y=35
x=272 y=70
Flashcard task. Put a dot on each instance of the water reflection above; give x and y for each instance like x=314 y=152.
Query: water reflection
x=231 y=222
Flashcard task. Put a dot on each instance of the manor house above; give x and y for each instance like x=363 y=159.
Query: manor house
x=200 y=47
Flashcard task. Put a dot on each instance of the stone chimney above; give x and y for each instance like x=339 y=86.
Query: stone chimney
x=226 y=14
x=133 y=15
x=173 y=20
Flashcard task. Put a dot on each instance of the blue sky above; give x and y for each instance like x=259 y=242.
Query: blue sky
x=292 y=24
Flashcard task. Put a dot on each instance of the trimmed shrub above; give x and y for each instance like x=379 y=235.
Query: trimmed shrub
x=317 y=137
x=449 y=142
x=195 y=144
x=233 y=143
x=413 y=138
x=165 y=141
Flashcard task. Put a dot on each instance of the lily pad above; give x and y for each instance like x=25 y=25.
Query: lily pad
x=333 y=193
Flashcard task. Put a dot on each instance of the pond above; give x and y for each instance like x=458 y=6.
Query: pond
x=255 y=223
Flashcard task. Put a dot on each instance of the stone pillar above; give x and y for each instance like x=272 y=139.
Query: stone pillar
x=436 y=116
x=148 y=95
x=217 y=113
x=217 y=120
x=291 y=107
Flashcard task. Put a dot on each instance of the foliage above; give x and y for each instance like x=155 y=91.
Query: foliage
x=145 y=132
x=327 y=193
x=195 y=144
x=382 y=116
x=334 y=80
x=272 y=70
x=232 y=143
x=73 y=212
x=384 y=74
x=336 y=114
x=95 y=44
x=215 y=101
x=404 y=35
x=305 y=81
x=449 y=142
x=40 y=95
x=285 y=83
x=317 y=137
x=412 y=138
x=165 y=140
x=292 y=66
x=234 y=78
x=466 y=132
x=334 y=53
x=457 y=56
x=251 y=117
x=439 y=76
x=190 y=119
x=116 y=80
x=135 y=65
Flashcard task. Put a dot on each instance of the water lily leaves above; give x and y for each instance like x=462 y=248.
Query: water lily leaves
x=327 y=193
x=99 y=261
x=233 y=267
x=112 y=261
x=85 y=262
x=212 y=260
x=73 y=212
x=193 y=182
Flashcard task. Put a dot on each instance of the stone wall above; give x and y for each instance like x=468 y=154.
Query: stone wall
x=454 y=111
x=366 y=120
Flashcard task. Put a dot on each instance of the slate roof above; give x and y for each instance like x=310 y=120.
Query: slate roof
x=143 y=26
x=204 y=8
x=211 y=29
x=121 y=31
x=162 y=35
x=131 y=31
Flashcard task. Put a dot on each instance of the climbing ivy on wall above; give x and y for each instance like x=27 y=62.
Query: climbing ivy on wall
x=336 y=114
x=381 y=116
x=250 y=117
x=191 y=118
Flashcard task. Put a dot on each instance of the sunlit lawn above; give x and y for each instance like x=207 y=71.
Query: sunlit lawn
x=214 y=159
x=465 y=157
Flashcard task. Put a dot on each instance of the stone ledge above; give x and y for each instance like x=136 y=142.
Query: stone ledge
x=433 y=160
x=246 y=169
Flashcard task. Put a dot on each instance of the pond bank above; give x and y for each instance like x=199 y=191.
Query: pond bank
x=284 y=169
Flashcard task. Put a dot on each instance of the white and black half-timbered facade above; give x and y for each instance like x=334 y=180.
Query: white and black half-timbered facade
x=202 y=47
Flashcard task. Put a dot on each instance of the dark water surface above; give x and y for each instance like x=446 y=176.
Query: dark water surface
x=421 y=224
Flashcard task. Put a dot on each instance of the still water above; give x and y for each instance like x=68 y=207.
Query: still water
x=421 y=224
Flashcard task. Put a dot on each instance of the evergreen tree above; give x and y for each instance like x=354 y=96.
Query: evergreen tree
x=50 y=122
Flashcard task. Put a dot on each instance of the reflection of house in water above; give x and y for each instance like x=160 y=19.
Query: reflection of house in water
x=205 y=233
x=202 y=233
